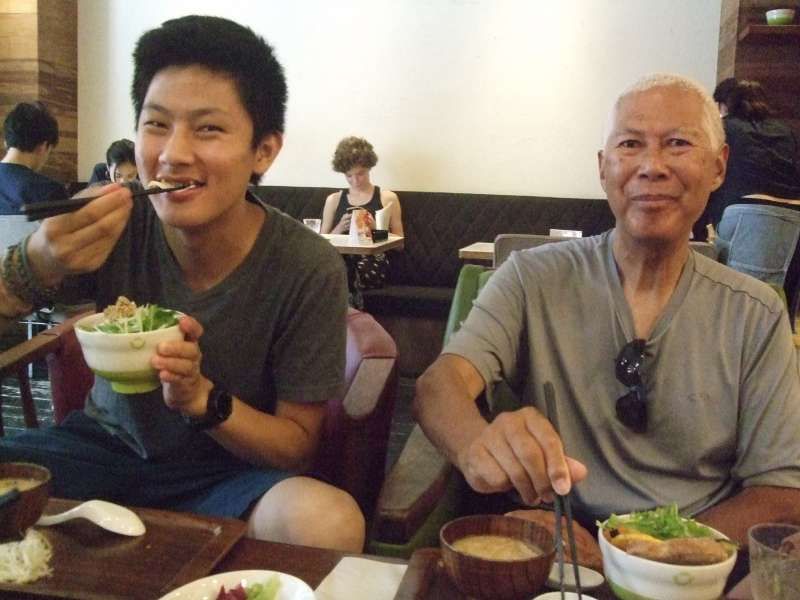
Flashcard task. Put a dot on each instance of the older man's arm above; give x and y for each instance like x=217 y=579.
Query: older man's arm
x=756 y=504
x=518 y=449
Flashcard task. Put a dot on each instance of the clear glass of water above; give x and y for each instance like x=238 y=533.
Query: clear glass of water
x=313 y=224
x=774 y=571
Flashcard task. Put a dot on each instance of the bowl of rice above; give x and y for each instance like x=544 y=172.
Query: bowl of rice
x=119 y=342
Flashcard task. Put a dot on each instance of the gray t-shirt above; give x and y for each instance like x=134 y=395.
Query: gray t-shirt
x=720 y=373
x=273 y=329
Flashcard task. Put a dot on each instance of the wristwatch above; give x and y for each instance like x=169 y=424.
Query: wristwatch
x=218 y=409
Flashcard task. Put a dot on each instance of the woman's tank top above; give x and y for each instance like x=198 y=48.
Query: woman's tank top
x=373 y=205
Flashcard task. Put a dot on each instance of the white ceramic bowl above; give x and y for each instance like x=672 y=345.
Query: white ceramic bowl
x=635 y=578
x=780 y=16
x=123 y=358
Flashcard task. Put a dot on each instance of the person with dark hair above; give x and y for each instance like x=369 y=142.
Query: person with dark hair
x=120 y=165
x=235 y=425
x=30 y=133
x=355 y=157
x=763 y=149
x=756 y=211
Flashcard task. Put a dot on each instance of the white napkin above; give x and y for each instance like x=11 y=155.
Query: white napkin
x=383 y=216
x=356 y=578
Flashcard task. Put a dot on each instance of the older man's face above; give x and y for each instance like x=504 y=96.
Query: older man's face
x=658 y=167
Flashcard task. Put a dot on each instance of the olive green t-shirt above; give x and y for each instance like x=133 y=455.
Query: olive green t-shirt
x=720 y=374
x=274 y=329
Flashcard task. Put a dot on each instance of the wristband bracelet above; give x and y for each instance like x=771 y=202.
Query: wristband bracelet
x=21 y=281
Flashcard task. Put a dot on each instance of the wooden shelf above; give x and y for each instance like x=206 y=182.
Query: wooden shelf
x=774 y=33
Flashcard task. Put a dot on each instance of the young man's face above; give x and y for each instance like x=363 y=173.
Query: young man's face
x=193 y=128
x=658 y=167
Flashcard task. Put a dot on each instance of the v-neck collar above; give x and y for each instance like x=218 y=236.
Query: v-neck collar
x=623 y=311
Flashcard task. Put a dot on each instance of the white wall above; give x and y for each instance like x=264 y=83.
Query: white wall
x=485 y=96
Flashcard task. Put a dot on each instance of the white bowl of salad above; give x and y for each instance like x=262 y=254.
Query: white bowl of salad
x=119 y=342
x=660 y=555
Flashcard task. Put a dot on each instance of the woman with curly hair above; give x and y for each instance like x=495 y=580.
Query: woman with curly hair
x=355 y=157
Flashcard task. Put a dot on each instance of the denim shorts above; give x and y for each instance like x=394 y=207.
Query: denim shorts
x=88 y=462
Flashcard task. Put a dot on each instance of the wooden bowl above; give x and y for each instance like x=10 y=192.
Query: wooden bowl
x=18 y=515
x=497 y=579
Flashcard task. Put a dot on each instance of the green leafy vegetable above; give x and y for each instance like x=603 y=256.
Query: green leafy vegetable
x=664 y=523
x=126 y=317
x=264 y=591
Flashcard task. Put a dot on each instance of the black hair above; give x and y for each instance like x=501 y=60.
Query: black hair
x=121 y=151
x=222 y=46
x=28 y=125
x=743 y=99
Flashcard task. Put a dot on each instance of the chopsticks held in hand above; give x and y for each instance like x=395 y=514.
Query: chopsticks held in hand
x=49 y=208
x=562 y=506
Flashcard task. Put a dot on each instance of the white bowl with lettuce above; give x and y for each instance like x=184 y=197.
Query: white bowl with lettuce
x=118 y=343
x=645 y=556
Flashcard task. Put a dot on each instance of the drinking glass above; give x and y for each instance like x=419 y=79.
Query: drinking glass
x=314 y=224
x=774 y=575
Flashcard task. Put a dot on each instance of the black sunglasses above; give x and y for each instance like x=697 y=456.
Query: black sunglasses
x=632 y=407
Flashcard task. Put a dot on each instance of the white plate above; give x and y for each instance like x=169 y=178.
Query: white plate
x=567 y=596
x=207 y=588
x=590 y=579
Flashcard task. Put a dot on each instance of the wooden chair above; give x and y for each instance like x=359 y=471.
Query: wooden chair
x=355 y=438
x=423 y=490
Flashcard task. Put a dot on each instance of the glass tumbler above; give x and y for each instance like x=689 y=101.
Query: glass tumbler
x=774 y=572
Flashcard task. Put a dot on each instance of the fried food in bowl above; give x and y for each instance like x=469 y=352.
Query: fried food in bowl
x=659 y=555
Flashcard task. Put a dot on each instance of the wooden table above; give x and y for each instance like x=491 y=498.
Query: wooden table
x=90 y=557
x=342 y=243
x=483 y=251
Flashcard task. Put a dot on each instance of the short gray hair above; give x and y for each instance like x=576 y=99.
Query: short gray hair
x=712 y=122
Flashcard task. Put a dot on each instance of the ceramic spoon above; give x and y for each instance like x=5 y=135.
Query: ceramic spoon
x=112 y=517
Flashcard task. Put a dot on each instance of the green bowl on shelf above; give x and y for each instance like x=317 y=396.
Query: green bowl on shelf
x=780 y=16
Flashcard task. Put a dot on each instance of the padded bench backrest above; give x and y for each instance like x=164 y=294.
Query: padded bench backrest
x=437 y=224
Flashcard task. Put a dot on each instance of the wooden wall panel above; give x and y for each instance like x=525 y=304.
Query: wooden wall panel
x=39 y=61
x=58 y=80
x=769 y=58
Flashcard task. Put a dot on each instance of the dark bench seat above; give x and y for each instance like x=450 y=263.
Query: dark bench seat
x=414 y=305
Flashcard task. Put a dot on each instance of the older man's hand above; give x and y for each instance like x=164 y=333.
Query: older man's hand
x=588 y=550
x=520 y=450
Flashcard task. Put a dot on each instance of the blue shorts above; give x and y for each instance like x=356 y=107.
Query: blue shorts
x=87 y=462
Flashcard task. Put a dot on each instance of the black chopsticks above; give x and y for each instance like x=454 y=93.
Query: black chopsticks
x=49 y=208
x=562 y=506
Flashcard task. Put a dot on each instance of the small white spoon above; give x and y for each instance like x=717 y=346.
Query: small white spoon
x=107 y=515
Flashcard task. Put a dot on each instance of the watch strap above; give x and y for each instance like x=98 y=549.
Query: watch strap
x=218 y=409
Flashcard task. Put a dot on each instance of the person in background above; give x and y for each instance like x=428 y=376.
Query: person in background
x=763 y=149
x=675 y=376
x=235 y=426
x=30 y=134
x=120 y=165
x=355 y=157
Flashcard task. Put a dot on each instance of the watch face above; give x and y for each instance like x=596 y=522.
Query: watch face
x=220 y=404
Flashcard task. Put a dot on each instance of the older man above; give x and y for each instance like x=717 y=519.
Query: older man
x=675 y=377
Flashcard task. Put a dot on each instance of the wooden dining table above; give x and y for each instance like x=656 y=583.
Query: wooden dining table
x=480 y=251
x=90 y=563
x=342 y=243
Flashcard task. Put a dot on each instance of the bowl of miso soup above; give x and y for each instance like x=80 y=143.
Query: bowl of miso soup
x=24 y=491
x=496 y=556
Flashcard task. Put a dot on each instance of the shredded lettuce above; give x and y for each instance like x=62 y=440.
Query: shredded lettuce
x=126 y=317
x=664 y=523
